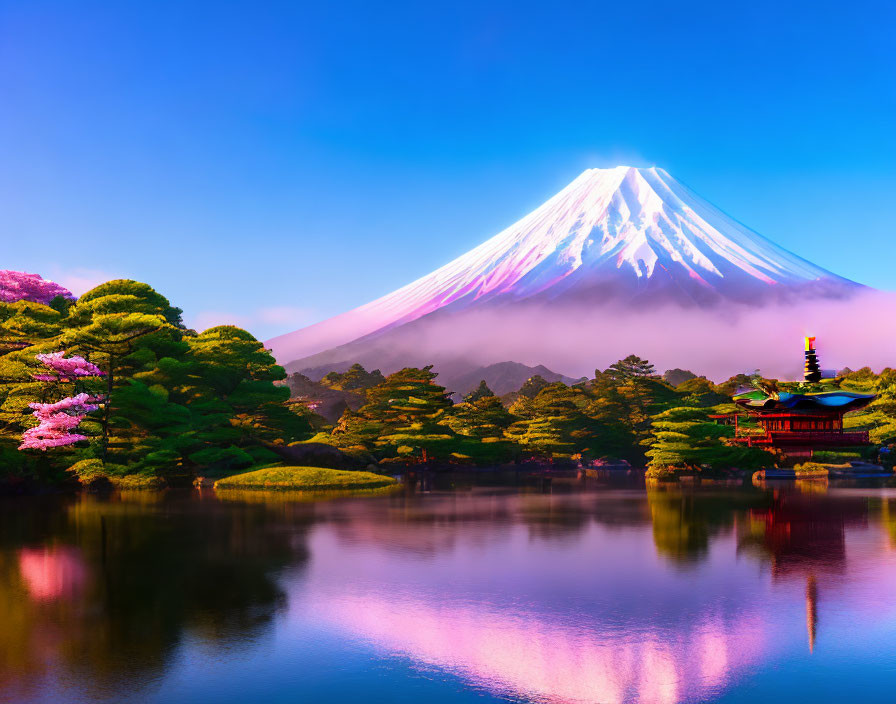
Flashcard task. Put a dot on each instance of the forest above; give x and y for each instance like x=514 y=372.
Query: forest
x=113 y=386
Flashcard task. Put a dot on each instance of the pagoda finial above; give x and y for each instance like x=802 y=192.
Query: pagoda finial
x=811 y=372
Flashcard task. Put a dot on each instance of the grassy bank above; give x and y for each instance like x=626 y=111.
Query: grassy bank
x=305 y=479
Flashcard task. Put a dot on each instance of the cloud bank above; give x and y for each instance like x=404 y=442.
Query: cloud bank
x=575 y=339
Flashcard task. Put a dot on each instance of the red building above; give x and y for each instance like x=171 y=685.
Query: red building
x=797 y=423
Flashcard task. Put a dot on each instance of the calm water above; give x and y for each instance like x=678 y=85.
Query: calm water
x=560 y=593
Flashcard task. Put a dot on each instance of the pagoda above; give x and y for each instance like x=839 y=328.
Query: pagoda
x=798 y=423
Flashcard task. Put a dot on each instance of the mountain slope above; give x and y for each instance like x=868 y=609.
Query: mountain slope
x=612 y=235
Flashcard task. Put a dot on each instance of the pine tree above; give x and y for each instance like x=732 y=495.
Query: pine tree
x=481 y=391
x=686 y=438
x=126 y=327
x=632 y=367
x=229 y=387
x=553 y=424
x=408 y=407
x=356 y=378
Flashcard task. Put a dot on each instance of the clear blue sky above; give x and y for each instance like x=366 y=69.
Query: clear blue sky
x=278 y=163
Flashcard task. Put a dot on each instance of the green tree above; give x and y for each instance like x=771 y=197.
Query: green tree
x=732 y=384
x=700 y=391
x=686 y=439
x=626 y=403
x=632 y=367
x=480 y=392
x=125 y=327
x=484 y=417
x=554 y=424
x=356 y=378
x=532 y=386
x=479 y=426
x=882 y=411
x=26 y=329
x=231 y=389
x=407 y=409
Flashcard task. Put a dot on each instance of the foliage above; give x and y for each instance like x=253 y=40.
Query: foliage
x=355 y=379
x=811 y=468
x=686 y=439
x=554 y=423
x=677 y=376
x=402 y=418
x=700 y=391
x=483 y=417
x=480 y=392
x=56 y=421
x=632 y=367
x=730 y=387
x=305 y=478
x=171 y=401
x=532 y=386
x=19 y=286
x=90 y=470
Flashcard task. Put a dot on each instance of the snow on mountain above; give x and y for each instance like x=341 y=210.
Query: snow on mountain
x=624 y=233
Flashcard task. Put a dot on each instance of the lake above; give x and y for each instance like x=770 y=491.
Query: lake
x=471 y=591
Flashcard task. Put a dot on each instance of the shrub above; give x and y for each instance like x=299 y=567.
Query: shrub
x=813 y=468
x=662 y=474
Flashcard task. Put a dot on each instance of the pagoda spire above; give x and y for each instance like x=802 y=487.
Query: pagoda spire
x=811 y=372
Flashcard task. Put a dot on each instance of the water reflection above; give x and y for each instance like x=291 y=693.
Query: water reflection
x=56 y=572
x=523 y=653
x=552 y=594
x=107 y=590
x=685 y=521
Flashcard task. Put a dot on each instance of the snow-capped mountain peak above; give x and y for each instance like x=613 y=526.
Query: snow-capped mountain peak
x=622 y=233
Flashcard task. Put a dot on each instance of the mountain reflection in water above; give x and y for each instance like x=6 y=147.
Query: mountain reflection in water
x=551 y=594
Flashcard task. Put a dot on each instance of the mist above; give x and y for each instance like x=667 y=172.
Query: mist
x=576 y=339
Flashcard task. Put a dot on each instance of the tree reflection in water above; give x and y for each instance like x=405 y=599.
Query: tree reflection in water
x=550 y=591
x=685 y=520
x=110 y=587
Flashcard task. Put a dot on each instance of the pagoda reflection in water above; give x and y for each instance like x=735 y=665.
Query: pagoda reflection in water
x=803 y=536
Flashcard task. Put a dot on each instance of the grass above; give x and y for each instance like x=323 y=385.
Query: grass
x=291 y=496
x=132 y=482
x=811 y=469
x=305 y=479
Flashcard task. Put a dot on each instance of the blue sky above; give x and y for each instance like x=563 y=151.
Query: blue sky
x=277 y=163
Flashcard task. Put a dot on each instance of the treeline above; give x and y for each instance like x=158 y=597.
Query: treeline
x=113 y=385
x=153 y=398
x=625 y=412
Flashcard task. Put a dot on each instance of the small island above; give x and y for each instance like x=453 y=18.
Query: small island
x=305 y=479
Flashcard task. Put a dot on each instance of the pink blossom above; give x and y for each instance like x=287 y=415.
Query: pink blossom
x=52 y=432
x=18 y=286
x=57 y=420
x=66 y=367
x=73 y=405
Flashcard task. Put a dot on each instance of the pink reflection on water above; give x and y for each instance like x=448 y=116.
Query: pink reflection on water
x=554 y=657
x=52 y=573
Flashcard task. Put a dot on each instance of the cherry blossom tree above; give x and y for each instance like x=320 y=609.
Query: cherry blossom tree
x=18 y=286
x=62 y=368
x=57 y=421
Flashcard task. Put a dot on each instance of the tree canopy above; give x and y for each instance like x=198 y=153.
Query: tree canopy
x=164 y=400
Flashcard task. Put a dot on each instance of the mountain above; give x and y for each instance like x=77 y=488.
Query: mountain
x=501 y=378
x=626 y=237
